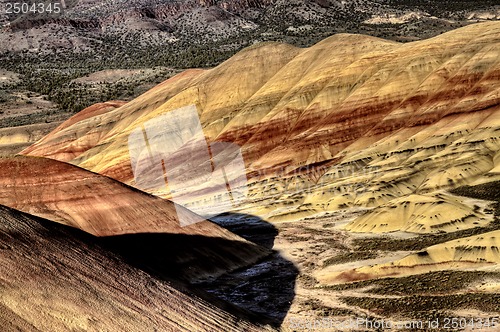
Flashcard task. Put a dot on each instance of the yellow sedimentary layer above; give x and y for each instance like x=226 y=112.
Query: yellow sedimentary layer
x=353 y=121
x=471 y=252
x=421 y=214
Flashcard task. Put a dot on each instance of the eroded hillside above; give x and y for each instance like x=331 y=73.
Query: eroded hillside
x=153 y=232
x=351 y=122
x=55 y=278
x=352 y=149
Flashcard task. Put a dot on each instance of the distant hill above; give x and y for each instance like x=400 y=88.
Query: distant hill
x=99 y=25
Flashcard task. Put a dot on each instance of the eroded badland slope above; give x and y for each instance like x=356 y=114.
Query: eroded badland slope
x=154 y=232
x=352 y=148
x=55 y=278
x=353 y=121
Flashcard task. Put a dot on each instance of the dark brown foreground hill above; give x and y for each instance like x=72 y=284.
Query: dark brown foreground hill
x=54 y=278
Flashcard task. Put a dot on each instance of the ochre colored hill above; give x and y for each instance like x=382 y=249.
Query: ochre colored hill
x=96 y=204
x=352 y=121
x=421 y=214
x=107 y=208
x=93 y=114
x=55 y=278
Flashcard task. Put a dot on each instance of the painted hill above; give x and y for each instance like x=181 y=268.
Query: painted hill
x=55 y=278
x=138 y=224
x=353 y=149
x=478 y=252
x=91 y=202
x=353 y=121
x=82 y=24
x=475 y=252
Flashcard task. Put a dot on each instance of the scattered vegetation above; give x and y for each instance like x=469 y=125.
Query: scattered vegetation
x=50 y=115
x=426 y=307
x=307 y=280
x=325 y=311
x=420 y=242
x=421 y=284
x=487 y=191
x=350 y=256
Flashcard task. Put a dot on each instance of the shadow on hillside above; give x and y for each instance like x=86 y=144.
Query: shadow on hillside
x=51 y=241
x=264 y=288
x=249 y=227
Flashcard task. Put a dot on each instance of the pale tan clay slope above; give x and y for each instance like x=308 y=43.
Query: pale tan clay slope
x=56 y=279
x=475 y=252
x=352 y=121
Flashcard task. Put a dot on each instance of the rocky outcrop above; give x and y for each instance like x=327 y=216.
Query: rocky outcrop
x=91 y=202
x=25 y=24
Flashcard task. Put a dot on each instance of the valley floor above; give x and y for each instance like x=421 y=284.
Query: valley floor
x=288 y=285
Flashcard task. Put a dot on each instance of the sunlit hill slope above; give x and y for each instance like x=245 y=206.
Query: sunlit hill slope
x=353 y=122
x=107 y=208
